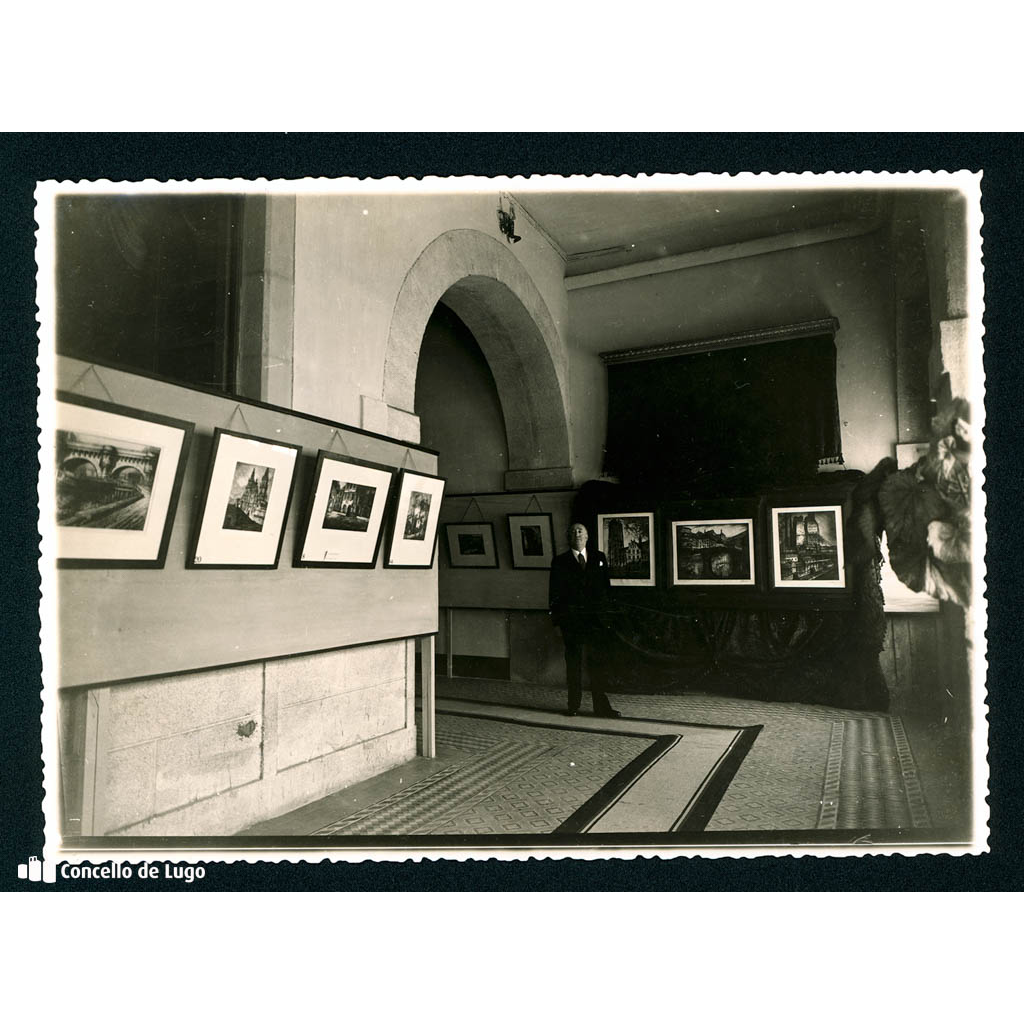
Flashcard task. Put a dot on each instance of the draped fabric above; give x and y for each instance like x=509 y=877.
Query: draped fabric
x=728 y=421
x=831 y=657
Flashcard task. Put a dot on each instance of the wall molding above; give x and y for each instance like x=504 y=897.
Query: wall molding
x=725 y=253
x=761 y=336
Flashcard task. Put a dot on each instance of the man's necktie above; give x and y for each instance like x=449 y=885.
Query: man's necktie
x=581 y=559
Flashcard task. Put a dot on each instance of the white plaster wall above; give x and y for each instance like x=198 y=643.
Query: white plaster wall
x=849 y=279
x=352 y=255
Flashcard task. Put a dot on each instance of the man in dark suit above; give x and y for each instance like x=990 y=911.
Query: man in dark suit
x=577 y=594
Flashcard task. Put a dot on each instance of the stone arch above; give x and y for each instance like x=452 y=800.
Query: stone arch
x=488 y=289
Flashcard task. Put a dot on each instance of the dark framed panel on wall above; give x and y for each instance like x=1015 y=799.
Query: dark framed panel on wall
x=713 y=550
x=807 y=544
x=343 y=521
x=628 y=541
x=118 y=474
x=471 y=546
x=244 y=503
x=532 y=538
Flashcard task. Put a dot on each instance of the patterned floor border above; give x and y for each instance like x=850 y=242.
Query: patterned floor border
x=436 y=801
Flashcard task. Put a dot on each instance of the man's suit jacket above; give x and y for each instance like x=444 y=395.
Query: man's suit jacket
x=576 y=594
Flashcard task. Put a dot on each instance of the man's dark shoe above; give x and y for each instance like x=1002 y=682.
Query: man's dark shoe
x=570 y=714
x=611 y=713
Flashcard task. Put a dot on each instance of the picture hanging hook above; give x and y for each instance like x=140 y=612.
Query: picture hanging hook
x=238 y=412
x=336 y=436
x=479 y=510
x=91 y=368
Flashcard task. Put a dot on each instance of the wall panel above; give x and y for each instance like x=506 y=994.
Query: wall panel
x=122 y=624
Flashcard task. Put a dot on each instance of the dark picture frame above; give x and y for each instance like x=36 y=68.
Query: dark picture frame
x=628 y=541
x=532 y=538
x=345 y=513
x=416 y=512
x=807 y=545
x=244 y=505
x=720 y=551
x=471 y=545
x=118 y=474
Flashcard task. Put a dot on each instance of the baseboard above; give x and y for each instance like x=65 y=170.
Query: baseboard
x=474 y=667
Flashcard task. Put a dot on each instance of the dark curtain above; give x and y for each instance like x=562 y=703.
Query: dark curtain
x=730 y=421
x=662 y=643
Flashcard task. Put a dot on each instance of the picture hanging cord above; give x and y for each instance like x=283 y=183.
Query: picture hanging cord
x=91 y=368
x=479 y=510
x=533 y=501
x=245 y=423
x=407 y=458
x=336 y=434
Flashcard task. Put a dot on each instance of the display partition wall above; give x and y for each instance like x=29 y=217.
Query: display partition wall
x=267 y=666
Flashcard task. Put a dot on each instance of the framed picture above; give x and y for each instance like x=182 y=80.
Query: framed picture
x=627 y=539
x=412 y=536
x=344 y=517
x=118 y=476
x=807 y=546
x=471 y=546
x=245 y=501
x=713 y=553
x=533 y=540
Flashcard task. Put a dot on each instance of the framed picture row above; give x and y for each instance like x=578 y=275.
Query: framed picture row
x=769 y=544
x=118 y=475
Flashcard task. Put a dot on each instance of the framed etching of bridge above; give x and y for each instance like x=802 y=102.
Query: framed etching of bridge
x=713 y=553
x=245 y=502
x=118 y=477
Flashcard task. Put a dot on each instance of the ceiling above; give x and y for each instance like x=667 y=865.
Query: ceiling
x=603 y=230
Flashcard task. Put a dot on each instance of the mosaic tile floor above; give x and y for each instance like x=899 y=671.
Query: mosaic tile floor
x=513 y=778
x=811 y=767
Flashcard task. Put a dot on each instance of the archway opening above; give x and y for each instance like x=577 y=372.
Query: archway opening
x=491 y=293
x=458 y=407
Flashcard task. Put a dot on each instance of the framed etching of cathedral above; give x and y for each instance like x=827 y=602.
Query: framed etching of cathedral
x=245 y=501
x=344 y=516
x=807 y=547
x=627 y=539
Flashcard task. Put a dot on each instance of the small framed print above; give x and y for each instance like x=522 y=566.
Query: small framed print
x=471 y=546
x=713 y=552
x=627 y=539
x=344 y=517
x=245 y=501
x=412 y=537
x=807 y=547
x=532 y=539
x=118 y=476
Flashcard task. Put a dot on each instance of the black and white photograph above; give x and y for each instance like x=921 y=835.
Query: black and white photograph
x=628 y=541
x=245 y=500
x=707 y=553
x=249 y=497
x=807 y=545
x=623 y=369
x=412 y=540
x=118 y=473
x=531 y=536
x=345 y=512
x=471 y=545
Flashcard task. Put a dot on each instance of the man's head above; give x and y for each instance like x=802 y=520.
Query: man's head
x=577 y=536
